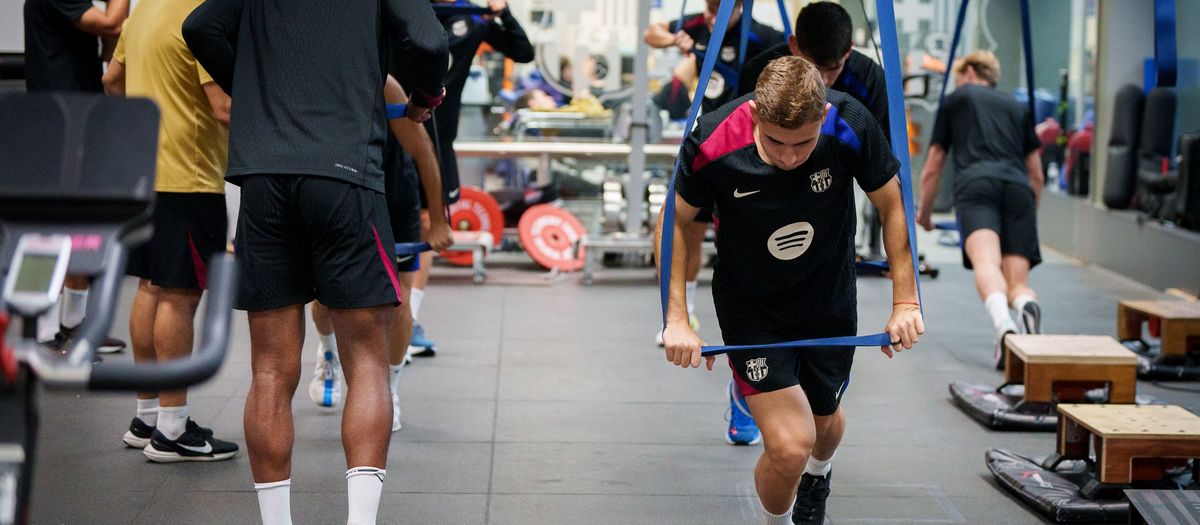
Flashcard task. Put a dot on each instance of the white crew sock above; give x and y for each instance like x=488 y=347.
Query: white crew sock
x=74 y=305
x=275 y=502
x=326 y=342
x=363 y=488
x=997 y=307
x=819 y=468
x=147 y=411
x=414 y=302
x=778 y=519
x=1021 y=300
x=48 y=323
x=394 y=376
x=172 y=421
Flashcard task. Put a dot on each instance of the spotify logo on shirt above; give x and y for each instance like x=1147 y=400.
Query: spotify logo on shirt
x=791 y=241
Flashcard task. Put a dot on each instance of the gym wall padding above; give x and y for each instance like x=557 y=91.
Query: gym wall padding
x=1123 y=147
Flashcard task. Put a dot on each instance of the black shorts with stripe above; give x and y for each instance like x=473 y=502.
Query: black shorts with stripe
x=301 y=238
x=188 y=229
x=822 y=372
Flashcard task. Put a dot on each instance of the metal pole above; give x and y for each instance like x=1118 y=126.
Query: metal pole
x=635 y=184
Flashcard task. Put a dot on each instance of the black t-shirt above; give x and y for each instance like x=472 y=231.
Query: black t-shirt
x=58 y=55
x=465 y=33
x=720 y=86
x=308 y=89
x=860 y=78
x=989 y=132
x=786 y=237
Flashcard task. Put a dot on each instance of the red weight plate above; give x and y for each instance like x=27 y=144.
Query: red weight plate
x=549 y=235
x=474 y=211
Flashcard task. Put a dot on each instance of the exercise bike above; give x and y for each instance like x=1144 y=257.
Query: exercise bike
x=76 y=191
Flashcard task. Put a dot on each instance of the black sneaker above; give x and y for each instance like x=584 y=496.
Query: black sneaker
x=139 y=434
x=196 y=444
x=998 y=353
x=1031 y=317
x=62 y=339
x=809 y=508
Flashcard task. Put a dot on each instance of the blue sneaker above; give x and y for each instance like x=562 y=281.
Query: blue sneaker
x=421 y=346
x=742 y=429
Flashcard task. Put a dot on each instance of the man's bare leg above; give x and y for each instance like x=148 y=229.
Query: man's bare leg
x=276 y=341
x=789 y=435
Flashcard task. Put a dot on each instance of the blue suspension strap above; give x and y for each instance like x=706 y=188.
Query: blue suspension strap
x=1027 y=39
x=899 y=130
x=1165 y=60
x=958 y=27
x=787 y=23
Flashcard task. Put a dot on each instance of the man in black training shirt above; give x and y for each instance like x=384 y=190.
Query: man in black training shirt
x=465 y=34
x=780 y=165
x=692 y=34
x=66 y=44
x=997 y=183
x=823 y=37
x=306 y=138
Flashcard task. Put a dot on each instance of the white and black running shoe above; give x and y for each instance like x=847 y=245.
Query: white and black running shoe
x=138 y=435
x=1031 y=318
x=195 y=444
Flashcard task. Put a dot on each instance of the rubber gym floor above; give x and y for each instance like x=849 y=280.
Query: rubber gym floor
x=549 y=403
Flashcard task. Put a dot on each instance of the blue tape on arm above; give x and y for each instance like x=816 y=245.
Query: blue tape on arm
x=412 y=248
x=395 y=111
x=461 y=9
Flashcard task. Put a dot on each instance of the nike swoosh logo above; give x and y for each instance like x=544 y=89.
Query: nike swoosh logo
x=454 y=193
x=206 y=449
x=737 y=194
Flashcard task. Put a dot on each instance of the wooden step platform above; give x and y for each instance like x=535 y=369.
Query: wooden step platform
x=1057 y=368
x=1179 y=323
x=1130 y=442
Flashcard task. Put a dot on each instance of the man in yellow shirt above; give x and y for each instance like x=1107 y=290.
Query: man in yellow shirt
x=153 y=61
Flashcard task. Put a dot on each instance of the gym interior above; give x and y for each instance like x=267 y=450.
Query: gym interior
x=539 y=368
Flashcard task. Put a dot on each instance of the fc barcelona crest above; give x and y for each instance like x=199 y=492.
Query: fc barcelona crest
x=756 y=369
x=820 y=181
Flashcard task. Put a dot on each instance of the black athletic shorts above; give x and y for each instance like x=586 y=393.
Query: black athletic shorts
x=448 y=164
x=402 y=187
x=188 y=229
x=1005 y=207
x=823 y=372
x=301 y=238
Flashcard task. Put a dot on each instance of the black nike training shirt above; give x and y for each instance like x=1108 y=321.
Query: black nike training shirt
x=307 y=79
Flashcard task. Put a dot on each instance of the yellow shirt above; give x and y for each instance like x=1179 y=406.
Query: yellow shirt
x=192 y=144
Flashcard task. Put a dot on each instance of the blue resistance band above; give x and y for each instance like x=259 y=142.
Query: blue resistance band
x=899 y=131
x=395 y=111
x=1165 y=59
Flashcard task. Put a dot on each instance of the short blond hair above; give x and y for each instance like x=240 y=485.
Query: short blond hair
x=985 y=64
x=790 y=93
